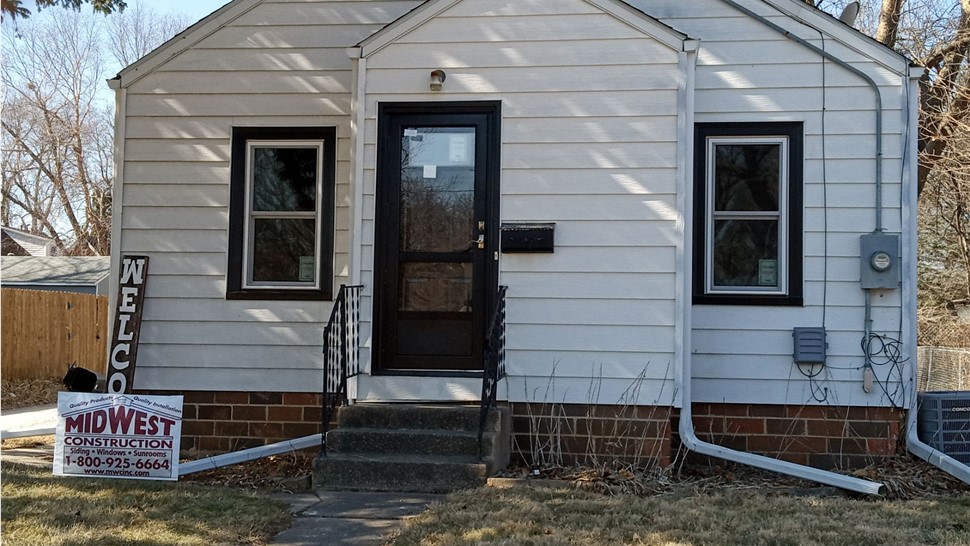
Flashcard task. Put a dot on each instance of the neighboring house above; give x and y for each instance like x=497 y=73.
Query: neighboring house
x=719 y=173
x=81 y=274
x=20 y=243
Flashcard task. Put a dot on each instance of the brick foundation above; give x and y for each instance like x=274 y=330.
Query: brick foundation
x=219 y=422
x=564 y=434
x=822 y=437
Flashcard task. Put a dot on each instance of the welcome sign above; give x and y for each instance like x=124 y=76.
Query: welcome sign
x=127 y=324
x=118 y=436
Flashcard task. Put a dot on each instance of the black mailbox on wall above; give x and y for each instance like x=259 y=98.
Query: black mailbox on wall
x=528 y=237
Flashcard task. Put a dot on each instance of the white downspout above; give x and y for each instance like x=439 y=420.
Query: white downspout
x=686 y=426
x=358 y=117
x=909 y=201
x=117 y=201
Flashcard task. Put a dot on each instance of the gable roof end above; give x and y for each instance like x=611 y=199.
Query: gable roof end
x=846 y=34
x=430 y=9
x=184 y=40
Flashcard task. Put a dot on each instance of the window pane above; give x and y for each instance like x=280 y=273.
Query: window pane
x=746 y=177
x=746 y=253
x=283 y=250
x=284 y=179
x=437 y=189
x=436 y=286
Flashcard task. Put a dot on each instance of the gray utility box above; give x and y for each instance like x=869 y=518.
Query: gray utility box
x=944 y=422
x=809 y=345
x=880 y=260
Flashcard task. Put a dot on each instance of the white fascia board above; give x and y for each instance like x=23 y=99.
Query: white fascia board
x=841 y=32
x=403 y=25
x=184 y=40
x=642 y=22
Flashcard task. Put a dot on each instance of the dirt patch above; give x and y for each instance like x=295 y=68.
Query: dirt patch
x=23 y=393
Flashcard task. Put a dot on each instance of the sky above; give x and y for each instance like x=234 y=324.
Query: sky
x=196 y=9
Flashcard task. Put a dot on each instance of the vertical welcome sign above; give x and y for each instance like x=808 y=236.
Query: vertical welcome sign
x=127 y=324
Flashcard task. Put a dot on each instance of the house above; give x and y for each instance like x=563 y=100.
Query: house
x=703 y=212
x=16 y=242
x=81 y=274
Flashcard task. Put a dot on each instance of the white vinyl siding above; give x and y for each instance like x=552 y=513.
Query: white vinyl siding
x=749 y=73
x=279 y=64
x=589 y=141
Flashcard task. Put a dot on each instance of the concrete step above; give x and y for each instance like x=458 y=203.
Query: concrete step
x=412 y=441
x=381 y=472
x=413 y=416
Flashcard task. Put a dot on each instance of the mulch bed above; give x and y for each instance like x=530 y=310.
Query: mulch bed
x=905 y=477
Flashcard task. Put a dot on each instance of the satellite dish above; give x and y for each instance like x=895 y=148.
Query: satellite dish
x=849 y=14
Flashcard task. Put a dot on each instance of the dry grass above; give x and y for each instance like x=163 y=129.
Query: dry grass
x=22 y=393
x=40 y=509
x=684 y=516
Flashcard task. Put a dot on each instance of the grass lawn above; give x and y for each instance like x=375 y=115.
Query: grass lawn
x=44 y=510
x=525 y=516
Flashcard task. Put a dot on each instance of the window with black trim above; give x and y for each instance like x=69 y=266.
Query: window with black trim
x=748 y=213
x=281 y=213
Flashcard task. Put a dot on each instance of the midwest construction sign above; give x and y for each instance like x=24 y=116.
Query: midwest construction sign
x=118 y=436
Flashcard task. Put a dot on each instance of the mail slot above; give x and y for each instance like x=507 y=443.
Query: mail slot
x=528 y=237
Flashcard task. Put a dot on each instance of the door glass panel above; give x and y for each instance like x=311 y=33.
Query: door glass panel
x=436 y=286
x=437 y=189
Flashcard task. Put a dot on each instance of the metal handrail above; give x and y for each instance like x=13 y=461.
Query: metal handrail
x=341 y=354
x=494 y=368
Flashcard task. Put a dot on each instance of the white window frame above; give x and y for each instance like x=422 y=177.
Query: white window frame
x=251 y=216
x=782 y=215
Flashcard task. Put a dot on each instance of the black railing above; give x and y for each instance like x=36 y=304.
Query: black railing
x=341 y=354
x=494 y=362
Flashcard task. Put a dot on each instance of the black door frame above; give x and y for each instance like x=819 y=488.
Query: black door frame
x=386 y=111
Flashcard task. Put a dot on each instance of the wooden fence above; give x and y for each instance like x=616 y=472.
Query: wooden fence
x=45 y=332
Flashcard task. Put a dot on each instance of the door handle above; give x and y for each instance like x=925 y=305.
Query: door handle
x=480 y=241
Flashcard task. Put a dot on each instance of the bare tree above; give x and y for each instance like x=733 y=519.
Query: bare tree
x=57 y=169
x=56 y=129
x=138 y=30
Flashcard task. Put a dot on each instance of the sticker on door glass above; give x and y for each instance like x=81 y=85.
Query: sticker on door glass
x=458 y=148
x=431 y=171
x=410 y=132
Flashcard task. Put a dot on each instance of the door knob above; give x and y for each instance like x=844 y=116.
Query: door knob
x=480 y=241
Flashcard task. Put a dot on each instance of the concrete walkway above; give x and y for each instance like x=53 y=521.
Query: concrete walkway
x=345 y=518
x=335 y=518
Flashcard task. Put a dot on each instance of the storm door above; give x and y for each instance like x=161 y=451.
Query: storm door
x=435 y=269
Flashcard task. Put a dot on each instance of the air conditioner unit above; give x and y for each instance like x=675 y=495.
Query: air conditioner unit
x=944 y=422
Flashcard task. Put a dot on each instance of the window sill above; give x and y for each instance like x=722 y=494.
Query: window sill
x=748 y=299
x=287 y=295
